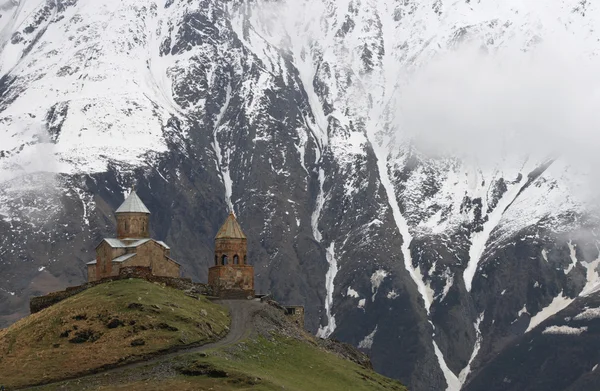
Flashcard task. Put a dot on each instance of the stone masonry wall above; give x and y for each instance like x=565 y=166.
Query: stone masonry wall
x=152 y=254
x=91 y=270
x=132 y=225
x=231 y=278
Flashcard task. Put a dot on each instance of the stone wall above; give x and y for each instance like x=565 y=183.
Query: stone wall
x=232 y=280
x=104 y=265
x=136 y=272
x=295 y=314
x=132 y=225
x=168 y=268
x=39 y=303
x=91 y=271
x=153 y=255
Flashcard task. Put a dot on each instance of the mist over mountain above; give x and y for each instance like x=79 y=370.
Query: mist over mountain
x=420 y=175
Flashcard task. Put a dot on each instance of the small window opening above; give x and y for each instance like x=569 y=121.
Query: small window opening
x=236 y=259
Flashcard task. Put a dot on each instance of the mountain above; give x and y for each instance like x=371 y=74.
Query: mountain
x=301 y=116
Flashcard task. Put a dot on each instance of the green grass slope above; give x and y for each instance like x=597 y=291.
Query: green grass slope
x=260 y=364
x=108 y=324
x=282 y=363
x=276 y=355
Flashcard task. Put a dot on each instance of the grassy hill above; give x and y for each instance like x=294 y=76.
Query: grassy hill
x=273 y=355
x=102 y=326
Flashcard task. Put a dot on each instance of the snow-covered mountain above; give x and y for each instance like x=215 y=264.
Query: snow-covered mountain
x=298 y=116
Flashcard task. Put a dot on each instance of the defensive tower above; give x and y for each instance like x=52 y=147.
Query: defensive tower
x=231 y=276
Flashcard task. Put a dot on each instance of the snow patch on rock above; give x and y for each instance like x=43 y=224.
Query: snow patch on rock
x=376 y=280
x=566 y=330
x=573 y=256
x=559 y=303
x=327 y=330
x=352 y=293
x=462 y=377
x=367 y=342
x=452 y=382
x=588 y=314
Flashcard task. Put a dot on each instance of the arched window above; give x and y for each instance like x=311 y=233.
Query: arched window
x=224 y=260
x=245 y=260
x=236 y=259
x=216 y=260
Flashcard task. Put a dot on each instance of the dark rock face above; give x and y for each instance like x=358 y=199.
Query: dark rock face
x=561 y=354
x=205 y=106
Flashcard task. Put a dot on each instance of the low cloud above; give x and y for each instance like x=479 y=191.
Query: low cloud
x=470 y=103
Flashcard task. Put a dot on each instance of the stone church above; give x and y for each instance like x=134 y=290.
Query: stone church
x=231 y=276
x=132 y=246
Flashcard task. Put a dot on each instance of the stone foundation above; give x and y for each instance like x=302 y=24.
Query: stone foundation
x=232 y=281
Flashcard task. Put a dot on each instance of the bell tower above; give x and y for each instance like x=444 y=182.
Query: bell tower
x=231 y=244
x=133 y=218
x=231 y=276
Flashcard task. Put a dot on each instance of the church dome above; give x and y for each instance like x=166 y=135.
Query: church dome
x=133 y=204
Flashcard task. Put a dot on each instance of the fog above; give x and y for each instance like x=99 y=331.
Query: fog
x=38 y=157
x=471 y=103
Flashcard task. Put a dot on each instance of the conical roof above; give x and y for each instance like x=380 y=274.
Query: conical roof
x=133 y=204
x=231 y=229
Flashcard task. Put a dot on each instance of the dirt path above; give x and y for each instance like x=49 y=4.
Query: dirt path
x=242 y=313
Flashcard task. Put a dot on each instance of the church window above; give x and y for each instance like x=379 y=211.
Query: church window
x=216 y=260
x=245 y=260
x=224 y=259
x=236 y=259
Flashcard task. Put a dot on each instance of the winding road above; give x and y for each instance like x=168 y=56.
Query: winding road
x=242 y=314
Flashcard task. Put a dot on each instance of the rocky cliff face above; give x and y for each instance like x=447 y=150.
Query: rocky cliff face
x=290 y=114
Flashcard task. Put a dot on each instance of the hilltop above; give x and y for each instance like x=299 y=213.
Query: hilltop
x=103 y=326
x=134 y=334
